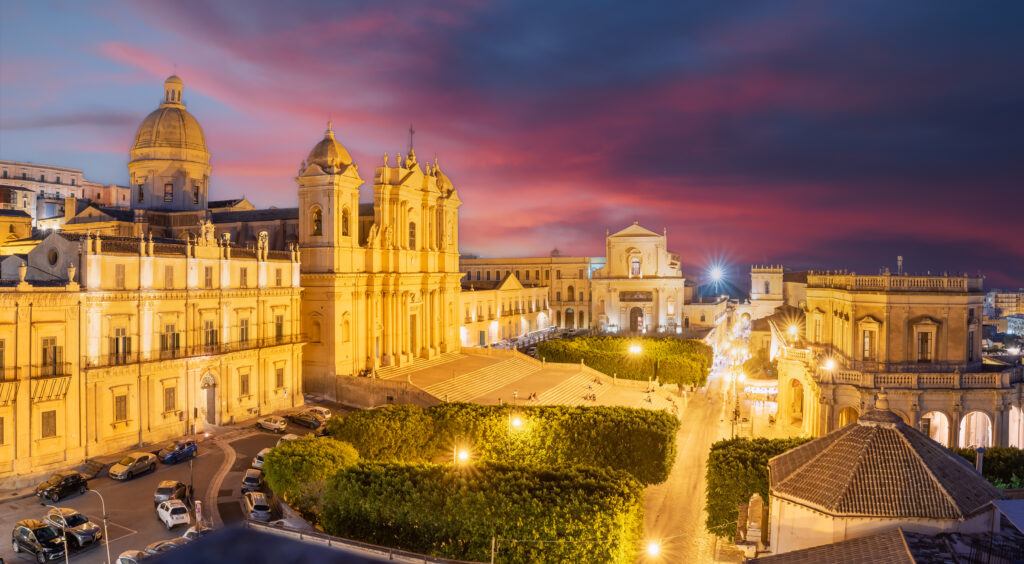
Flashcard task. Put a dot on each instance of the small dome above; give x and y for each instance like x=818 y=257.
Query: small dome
x=328 y=153
x=170 y=126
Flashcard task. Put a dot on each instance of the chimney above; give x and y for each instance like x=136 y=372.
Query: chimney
x=70 y=207
x=981 y=456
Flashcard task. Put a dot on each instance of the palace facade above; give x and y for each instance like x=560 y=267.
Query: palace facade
x=499 y=310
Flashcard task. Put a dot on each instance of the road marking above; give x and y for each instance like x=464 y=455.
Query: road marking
x=115 y=526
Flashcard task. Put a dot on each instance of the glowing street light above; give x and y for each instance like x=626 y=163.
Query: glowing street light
x=716 y=273
x=792 y=330
x=830 y=364
x=635 y=349
x=653 y=548
x=517 y=422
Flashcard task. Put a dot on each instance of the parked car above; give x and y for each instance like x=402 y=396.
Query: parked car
x=178 y=451
x=172 y=512
x=322 y=412
x=306 y=419
x=78 y=529
x=168 y=490
x=196 y=531
x=288 y=437
x=252 y=481
x=132 y=465
x=257 y=461
x=62 y=484
x=132 y=557
x=37 y=538
x=162 y=546
x=272 y=423
x=256 y=505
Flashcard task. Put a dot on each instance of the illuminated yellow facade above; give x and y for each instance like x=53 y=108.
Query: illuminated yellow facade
x=501 y=310
x=106 y=343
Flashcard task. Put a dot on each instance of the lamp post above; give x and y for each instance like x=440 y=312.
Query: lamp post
x=459 y=455
x=64 y=531
x=106 y=537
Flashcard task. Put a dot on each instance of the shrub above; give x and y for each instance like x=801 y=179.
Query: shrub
x=1002 y=466
x=638 y=441
x=454 y=512
x=736 y=470
x=666 y=359
x=298 y=470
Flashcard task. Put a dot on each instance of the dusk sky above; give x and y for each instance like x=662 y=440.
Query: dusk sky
x=809 y=134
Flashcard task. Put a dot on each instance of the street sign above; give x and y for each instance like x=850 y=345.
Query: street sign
x=199 y=513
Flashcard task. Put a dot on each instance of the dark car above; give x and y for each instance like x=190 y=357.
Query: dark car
x=306 y=419
x=179 y=451
x=169 y=489
x=62 y=484
x=78 y=529
x=37 y=538
x=252 y=481
x=166 y=545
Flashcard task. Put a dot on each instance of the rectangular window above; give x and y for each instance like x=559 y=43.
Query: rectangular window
x=970 y=345
x=483 y=338
x=477 y=274
x=278 y=278
x=170 y=399
x=142 y=193
x=120 y=408
x=924 y=346
x=817 y=330
x=243 y=330
x=243 y=384
x=279 y=378
x=119 y=276
x=279 y=327
x=58 y=180
x=518 y=275
x=42 y=177
x=208 y=277
x=169 y=277
x=168 y=192
x=209 y=333
x=243 y=278
x=869 y=345
x=195 y=193
x=73 y=182
x=120 y=346
x=53 y=357
x=49 y=424
x=558 y=296
x=488 y=273
x=558 y=275
x=169 y=338
x=3 y=358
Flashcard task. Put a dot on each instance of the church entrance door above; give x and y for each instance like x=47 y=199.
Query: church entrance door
x=636 y=320
x=570 y=318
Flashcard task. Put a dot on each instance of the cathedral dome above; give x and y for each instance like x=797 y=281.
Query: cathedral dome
x=170 y=127
x=328 y=153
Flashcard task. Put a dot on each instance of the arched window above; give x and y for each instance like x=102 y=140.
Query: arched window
x=318 y=223
x=344 y=222
x=412 y=235
x=346 y=329
x=315 y=336
x=570 y=294
x=634 y=266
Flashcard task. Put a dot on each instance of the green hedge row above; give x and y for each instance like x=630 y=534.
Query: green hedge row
x=1003 y=466
x=736 y=470
x=453 y=512
x=665 y=359
x=639 y=442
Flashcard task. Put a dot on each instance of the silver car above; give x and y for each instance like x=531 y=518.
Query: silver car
x=132 y=465
x=257 y=461
x=252 y=480
x=79 y=529
x=256 y=506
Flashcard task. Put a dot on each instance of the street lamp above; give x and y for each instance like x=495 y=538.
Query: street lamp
x=830 y=364
x=635 y=349
x=106 y=537
x=459 y=455
x=64 y=530
x=653 y=548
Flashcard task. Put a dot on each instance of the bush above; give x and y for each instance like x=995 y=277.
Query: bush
x=665 y=359
x=737 y=469
x=454 y=512
x=298 y=470
x=640 y=442
x=1002 y=466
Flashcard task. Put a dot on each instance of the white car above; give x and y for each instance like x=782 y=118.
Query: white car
x=173 y=512
x=288 y=437
x=272 y=423
x=323 y=412
x=132 y=557
x=257 y=461
x=256 y=506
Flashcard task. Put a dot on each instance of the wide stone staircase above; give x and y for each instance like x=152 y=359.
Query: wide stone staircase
x=483 y=380
x=388 y=372
x=573 y=391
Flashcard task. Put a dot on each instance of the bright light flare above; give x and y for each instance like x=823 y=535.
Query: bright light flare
x=653 y=548
x=517 y=422
x=830 y=364
x=793 y=330
x=463 y=455
x=716 y=273
x=635 y=349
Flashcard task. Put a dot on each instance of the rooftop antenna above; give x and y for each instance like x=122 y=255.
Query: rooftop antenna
x=411 y=133
x=899 y=265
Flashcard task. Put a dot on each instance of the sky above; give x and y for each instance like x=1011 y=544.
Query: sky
x=825 y=135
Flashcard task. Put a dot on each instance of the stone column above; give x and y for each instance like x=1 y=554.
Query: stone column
x=1001 y=425
x=955 y=416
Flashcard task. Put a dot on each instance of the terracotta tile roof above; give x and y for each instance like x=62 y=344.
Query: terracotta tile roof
x=880 y=467
x=894 y=546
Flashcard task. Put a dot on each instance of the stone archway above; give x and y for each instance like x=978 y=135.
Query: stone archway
x=1015 y=437
x=848 y=415
x=636 y=319
x=976 y=430
x=796 y=401
x=209 y=386
x=935 y=424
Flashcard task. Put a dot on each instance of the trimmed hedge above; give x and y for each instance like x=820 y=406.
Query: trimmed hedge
x=298 y=470
x=686 y=362
x=736 y=470
x=1002 y=466
x=640 y=442
x=454 y=512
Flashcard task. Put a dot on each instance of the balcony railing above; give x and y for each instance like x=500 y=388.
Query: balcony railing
x=193 y=351
x=48 y=370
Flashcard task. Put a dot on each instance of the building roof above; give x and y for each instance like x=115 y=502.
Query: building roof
x=14 y=213
x=635 y=230
x=328 y=154
x=272 y=214
x=170 y=125
x=798 y=276
x=880 y=467
x=225 y=205
x=894 y=546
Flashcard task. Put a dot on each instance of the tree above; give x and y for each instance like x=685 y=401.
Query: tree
x=685 y=362
x=1002 y=466
x=298 y=470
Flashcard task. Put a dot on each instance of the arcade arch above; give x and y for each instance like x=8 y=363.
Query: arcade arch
x=848 y=415
x=935 y=424
x=976 y=430
x=796 y=401
x=1015 y=437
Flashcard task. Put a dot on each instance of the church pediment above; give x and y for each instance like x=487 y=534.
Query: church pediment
x=635 y=230
x=510 y=283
